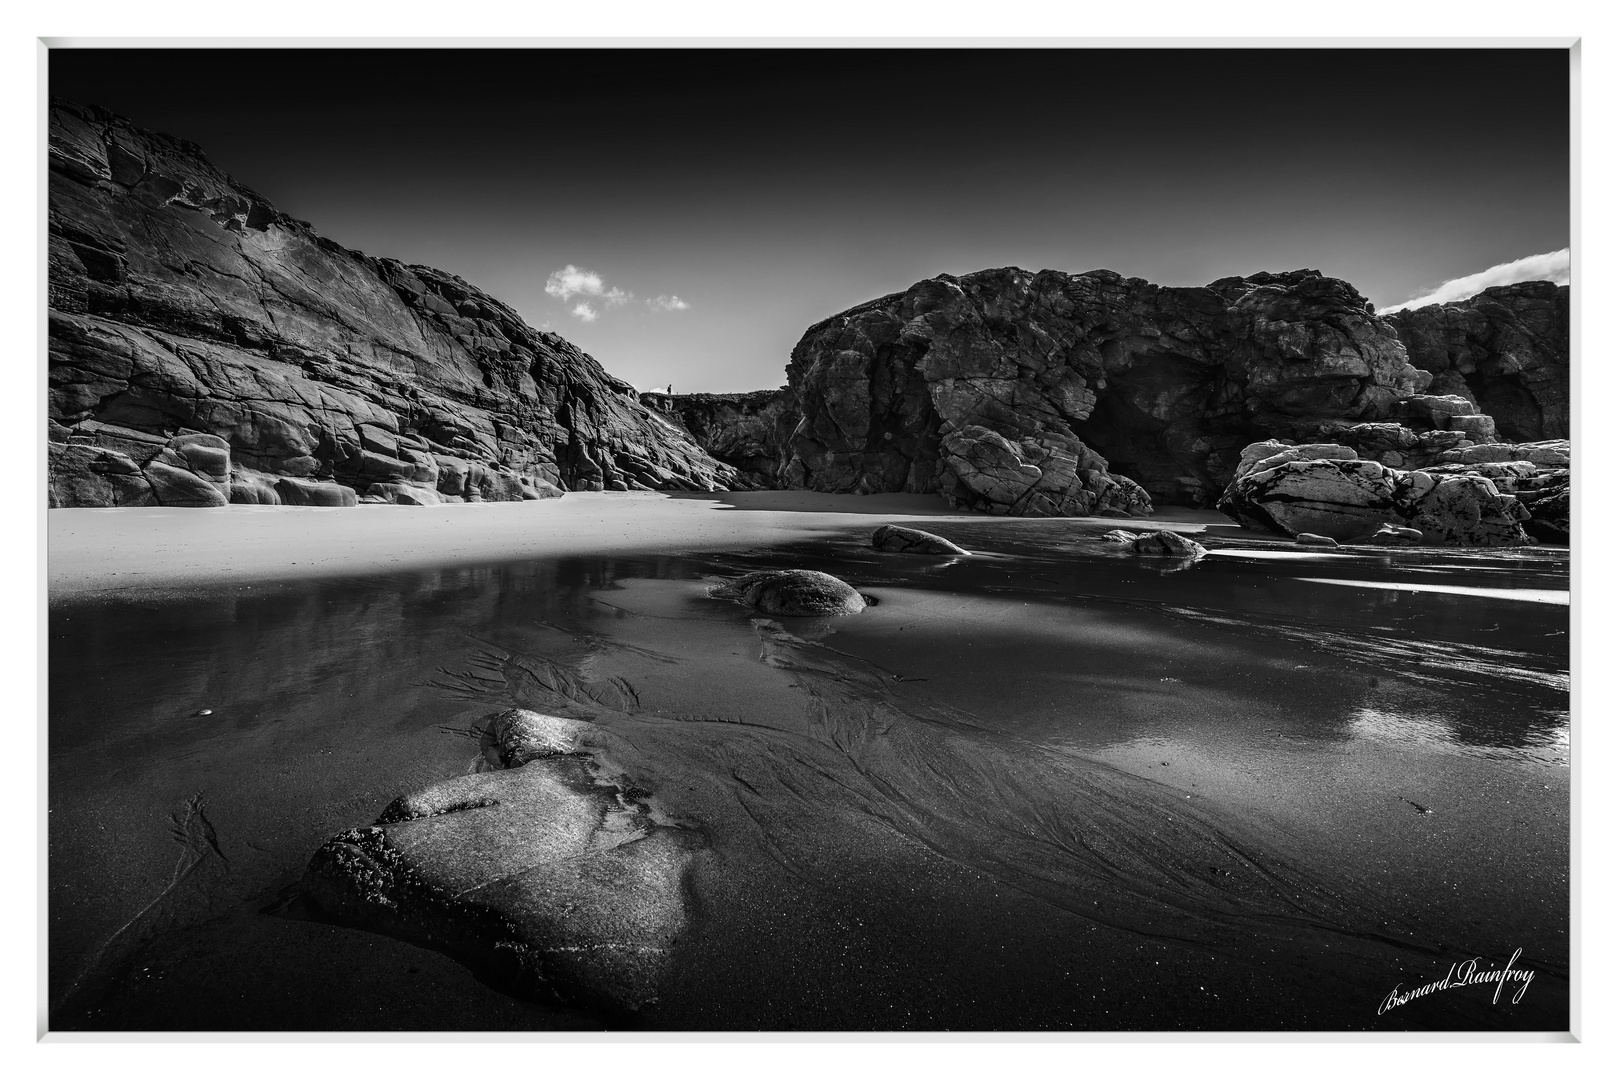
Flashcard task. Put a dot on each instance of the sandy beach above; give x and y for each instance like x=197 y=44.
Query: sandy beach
x=1052 y=785
x=99 y=551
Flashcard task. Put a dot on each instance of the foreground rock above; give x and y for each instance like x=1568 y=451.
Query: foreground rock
x=1466 y=501
x=205 y=347
x=547 y=877
x=913 y=541
x=792 y=592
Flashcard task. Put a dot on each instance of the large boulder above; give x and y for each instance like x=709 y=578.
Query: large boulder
x=792 y=592
x=549 y=876
x=1505 y=349
x=1317 y=491
x=1048 y=393
x=913 y=541
x=183 y=306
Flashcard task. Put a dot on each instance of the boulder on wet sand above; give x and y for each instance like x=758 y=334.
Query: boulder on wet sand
x=1119 y=536
x=792 y=592
x=546 y=878
x=1168 y=542
x=913 y=541
x=1315 y=540
x=1469 y=502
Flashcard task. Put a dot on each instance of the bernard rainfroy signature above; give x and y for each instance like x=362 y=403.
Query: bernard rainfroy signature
x=1467 y=973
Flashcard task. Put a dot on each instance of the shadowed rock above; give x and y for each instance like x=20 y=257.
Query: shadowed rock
x=548 y=877
x=914 y=541
x=792 y=592
x=199 y=332
x=1168 y=542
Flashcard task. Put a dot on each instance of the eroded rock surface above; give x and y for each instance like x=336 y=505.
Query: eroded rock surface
x=1476 y=503
x=549 y=876
x=183 y=306
x=747 y=431
x=792 y=592
x=1505 y=350
x=1050 y=393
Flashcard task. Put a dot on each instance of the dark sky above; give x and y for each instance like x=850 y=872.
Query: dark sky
x=770 y=188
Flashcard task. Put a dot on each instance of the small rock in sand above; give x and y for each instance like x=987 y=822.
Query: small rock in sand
x=913 y=541
x=1120 y=536
x=792 y=592
x=1315 y=540
x=1393 y=535
x=1168 y=542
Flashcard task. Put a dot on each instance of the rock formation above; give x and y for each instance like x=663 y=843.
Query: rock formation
x=1493 y=495
x=205 y=347
x=546 y=876
x=747 y=431
x=913 y=541
x=1053 y=393
x=792 y=592
x=1505 y=350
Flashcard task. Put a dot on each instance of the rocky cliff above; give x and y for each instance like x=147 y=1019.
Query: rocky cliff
x=747 y=431
x=206 y=348
x=1053 y=393
x=1505 y=350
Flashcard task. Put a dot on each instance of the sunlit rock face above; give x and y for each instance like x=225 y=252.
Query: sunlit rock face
x=1505 y=350
x=184 y=305
x=1496 y=495
x=1056 y=394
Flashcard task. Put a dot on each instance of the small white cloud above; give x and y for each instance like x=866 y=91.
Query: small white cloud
x=615 y=296
x=667 y=303
x=586 y=312
x=573 y=281
x=1551 y=266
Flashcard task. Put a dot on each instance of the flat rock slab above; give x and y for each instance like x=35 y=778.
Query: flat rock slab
x=913 y=541
x=792 y=592
x=544 y=879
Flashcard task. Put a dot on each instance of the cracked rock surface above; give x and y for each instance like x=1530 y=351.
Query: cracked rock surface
x=207 y=348
x=549 y=876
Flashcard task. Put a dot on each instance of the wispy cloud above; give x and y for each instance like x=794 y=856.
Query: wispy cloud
x=584 y=311
x=667 y=303
x=615 y=296
x=1551 y=266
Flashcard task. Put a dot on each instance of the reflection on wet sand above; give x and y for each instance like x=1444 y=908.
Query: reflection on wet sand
x=914 y=813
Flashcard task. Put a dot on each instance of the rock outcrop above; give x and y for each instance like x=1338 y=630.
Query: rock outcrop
x=205 y=347
x=1056 y=394
x=1482 y=496
x=548 y=876
x=746 y=431
x=1505 y=350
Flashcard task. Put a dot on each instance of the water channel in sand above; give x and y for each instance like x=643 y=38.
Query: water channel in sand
x=1049 y=786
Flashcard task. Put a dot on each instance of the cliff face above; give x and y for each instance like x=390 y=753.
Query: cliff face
x=205 y=347
x=1051 y=393
x=747 y=431
x=1505 y=349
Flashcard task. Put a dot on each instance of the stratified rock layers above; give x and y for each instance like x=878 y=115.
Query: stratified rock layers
x=205 y=347
x=1051 y=394
x=1505 y=350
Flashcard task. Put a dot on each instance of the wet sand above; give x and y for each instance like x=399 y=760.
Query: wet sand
x=1050 y=787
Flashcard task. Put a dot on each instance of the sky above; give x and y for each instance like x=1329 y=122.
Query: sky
x=684 y=215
